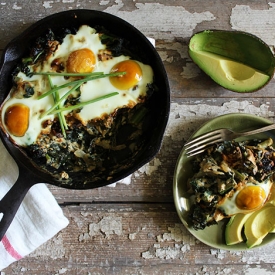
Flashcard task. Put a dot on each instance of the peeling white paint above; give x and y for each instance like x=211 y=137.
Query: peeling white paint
x=126 y=181
x=62 y=270
x=260 y=271
x=261 y=255
x=104 y=3
x=47 y=4
x=161 y=21
x=53 y=249
x=176 y=252
x=181 y=49
x=178 y=234
x=220 y=254
x=132 y=236
x=16 y=7
x=258 y=22
x=107 y=226
x=227 y=271
x=151 y=167
x=84 y=237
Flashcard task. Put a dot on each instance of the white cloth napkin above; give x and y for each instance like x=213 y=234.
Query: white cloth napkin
x=38 y=219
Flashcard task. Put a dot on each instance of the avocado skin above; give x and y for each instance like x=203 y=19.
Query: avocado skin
x=241 y=47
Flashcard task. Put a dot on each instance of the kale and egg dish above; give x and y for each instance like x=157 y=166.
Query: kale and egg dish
x=230 y=177
x=78 y=102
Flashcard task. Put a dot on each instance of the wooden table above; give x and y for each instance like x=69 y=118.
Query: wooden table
x=134 y=229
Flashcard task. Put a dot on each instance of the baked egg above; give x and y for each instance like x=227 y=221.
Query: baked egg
x=25 y=118
x=245 y=199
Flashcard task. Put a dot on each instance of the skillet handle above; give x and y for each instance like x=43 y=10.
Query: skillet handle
x=13 y=199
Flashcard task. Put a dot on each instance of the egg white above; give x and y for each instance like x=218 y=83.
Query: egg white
x=103 y=86
x=86 y=37
x=229 y=206
x=35 y=122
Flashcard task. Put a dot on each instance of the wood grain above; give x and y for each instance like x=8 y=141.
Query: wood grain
x=134 y=228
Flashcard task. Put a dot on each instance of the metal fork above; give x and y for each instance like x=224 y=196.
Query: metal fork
x=200 y=144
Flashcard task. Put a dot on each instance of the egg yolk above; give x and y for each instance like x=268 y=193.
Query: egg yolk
x=250 y=197
x=17 y=119
x=81 y=61
x=132 y=76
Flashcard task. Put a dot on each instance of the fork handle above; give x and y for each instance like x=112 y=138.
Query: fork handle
x=259 y=130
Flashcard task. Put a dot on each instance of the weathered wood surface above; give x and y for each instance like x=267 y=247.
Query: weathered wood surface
x=134 y=229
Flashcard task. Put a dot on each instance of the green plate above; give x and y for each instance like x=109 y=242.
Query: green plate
x=214 y=235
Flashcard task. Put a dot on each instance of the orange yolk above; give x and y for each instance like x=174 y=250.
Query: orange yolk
x=81 y=61
x=250 y=197
x=132 y=76
x=17 y=119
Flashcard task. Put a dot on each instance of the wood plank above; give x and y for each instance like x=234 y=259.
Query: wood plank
x=158 y=16
x=130 y=239
x=57 y=267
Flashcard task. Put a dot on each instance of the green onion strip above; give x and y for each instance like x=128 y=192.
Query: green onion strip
x=57 y=102
x=57 y=108
x=61 y=117
x=67 y=74
x=79 y=105
x=79 y=81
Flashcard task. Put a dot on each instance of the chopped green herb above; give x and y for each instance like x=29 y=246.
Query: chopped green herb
x=62 y=120
x=68 y=74
x=58 y=101
x=82 y=104
x=79 y=81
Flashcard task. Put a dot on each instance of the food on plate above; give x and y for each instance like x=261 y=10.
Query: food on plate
x=78 y=102
x=234 y=228
x=238 y=61
x=230 y=178
x=259 y=224
x=252 y=227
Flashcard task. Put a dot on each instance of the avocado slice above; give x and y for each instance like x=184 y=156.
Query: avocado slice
x=238 y=61
x=233 y=229
x=259 y=224
x=230 y=74
x=271 y=198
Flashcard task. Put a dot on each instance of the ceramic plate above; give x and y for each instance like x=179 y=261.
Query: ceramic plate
x=214 y=235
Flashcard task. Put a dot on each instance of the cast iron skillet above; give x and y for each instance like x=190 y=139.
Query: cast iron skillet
x=159 y=105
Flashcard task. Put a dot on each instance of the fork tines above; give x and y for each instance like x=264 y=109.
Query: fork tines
x=199 y=144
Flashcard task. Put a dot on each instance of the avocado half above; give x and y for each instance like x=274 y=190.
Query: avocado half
x=238 y=61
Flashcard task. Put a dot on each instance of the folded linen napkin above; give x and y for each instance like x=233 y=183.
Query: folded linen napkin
x=38 y=219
